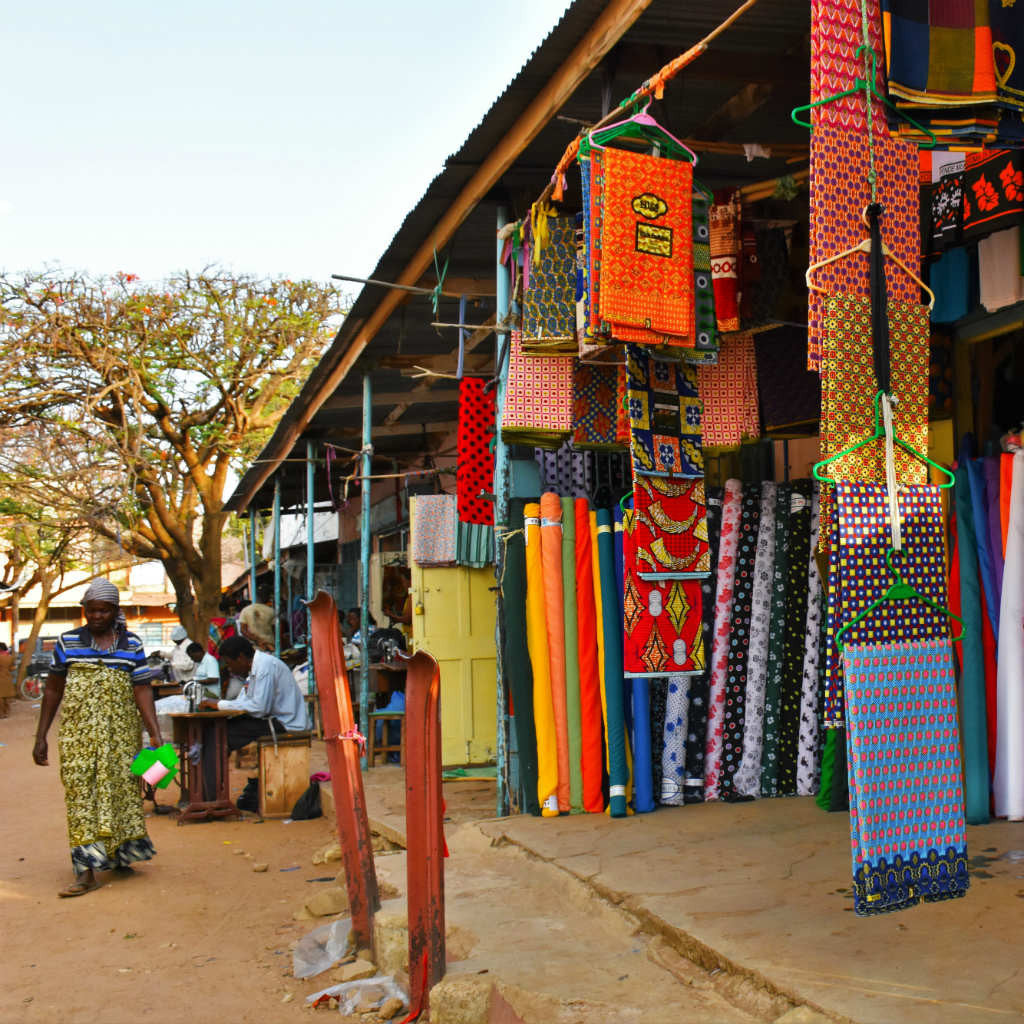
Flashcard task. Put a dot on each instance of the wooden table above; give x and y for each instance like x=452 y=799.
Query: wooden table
x=209 y=729
x=165 y=689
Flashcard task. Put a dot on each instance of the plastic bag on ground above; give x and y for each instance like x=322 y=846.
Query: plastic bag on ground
x=350 y=993
x=323 y=947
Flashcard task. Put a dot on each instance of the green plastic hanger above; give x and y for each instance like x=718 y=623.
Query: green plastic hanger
x=622 y=502
x=899 y=591
x=879 y=435
x=861 y=85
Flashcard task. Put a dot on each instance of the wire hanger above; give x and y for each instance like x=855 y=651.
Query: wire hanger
x=899 y=591
x=879 y=435
x=642 y=125
x=862 y=85
x=864 y=245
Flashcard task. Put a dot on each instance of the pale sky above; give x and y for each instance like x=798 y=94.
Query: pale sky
x=276 y=138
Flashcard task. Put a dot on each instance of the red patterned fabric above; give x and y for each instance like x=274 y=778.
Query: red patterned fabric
x=726 y=242
x=662 y=618
x=647 y=243
x=839 y=194
x=728 y=392
x=836 y=33
x=670 y=528
x=475 y=471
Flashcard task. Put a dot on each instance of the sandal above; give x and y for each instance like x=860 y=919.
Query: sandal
x=78 y=889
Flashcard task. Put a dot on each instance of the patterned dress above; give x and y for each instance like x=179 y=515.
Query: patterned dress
x=100 y=734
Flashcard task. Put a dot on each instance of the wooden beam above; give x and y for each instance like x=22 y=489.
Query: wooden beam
x=610 y=25
x=736 y=110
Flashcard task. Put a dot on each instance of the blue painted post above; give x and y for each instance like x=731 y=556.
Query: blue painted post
x=277 y=565
x=501 y=489
x=364 y=565
x=310 y=556
x=252 y=554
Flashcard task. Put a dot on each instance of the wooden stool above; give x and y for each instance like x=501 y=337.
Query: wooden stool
x=283 y=772
x=385 y=748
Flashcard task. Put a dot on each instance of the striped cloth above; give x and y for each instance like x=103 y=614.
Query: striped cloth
x=75 y=646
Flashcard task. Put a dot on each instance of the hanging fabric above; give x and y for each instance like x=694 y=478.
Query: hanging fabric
x=808 y=764
x=549 y=302
x=729 y=394
x=647 y=244
x=789 y=393
x=474 y=443
x=599 y=407
x=670 y=528
x=726 y=243
x=906 y=806
x=664 y=416
x=538 y=397
x=859 y=573
x=433 y=522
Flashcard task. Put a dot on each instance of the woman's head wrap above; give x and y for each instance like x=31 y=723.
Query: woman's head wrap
x=102 y=590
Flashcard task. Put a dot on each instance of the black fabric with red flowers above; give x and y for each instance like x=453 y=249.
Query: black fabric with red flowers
x=993 y=193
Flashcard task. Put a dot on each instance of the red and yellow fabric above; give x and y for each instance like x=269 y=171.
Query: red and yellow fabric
x=551 y=560
x=591 y=732
x=647 y=243
x=538 y=400
x=729 y=395
x=839 y=193
x=670 y=528
x=475 y=470
x=537 y=644
x=848 y=389
x=662 y=618
x=726 y=242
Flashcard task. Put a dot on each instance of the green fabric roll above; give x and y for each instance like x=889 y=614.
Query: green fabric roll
x=973 y=723
x=611 y=617
x=776 y=645
x=572 y=658
x=517 y=656
x=840 y=798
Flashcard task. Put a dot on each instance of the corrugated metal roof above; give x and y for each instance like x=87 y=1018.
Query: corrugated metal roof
x=770 y=44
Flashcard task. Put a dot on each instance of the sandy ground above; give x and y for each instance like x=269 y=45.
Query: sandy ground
x=194 y=934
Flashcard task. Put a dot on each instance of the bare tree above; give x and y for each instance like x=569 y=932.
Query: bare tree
x=152 y=396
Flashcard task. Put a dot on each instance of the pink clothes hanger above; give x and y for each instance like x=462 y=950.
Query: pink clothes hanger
x=644 y=119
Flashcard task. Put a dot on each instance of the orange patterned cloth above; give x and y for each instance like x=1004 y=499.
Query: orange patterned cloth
x=646 y=271
x=848 y=389
x=729 y=394
x=839 y=193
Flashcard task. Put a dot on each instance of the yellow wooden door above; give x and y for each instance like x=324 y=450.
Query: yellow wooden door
x=453 y=618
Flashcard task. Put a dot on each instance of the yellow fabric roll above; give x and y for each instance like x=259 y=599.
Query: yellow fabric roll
x=537 y=644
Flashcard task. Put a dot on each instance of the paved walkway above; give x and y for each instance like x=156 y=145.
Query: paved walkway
x=757 y=895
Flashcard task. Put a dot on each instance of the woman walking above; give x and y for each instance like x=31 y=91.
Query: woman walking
x=99 y=671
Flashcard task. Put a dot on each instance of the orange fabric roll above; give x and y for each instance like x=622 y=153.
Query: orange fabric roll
x=551 y=560
x=592 y=745
x=1005 y=486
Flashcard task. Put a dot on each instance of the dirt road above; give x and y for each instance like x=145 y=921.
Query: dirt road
x=194 y=935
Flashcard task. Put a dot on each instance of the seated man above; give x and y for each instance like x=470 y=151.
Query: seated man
x=207 y=671
x=270 y=699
